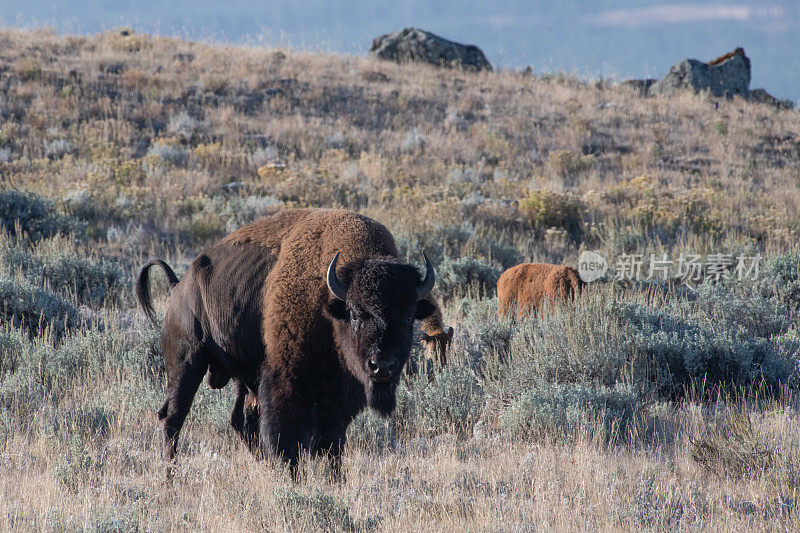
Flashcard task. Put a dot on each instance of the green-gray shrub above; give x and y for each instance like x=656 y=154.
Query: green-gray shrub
x=492 y=245
x=574 y=342
x=57 y=148
x=722 y=340
x=763 y=316
x=171 y=155
x=319 y=511
x=780 y=278
x=90 y=280
x=11 y=343
x=481 y=336
x=92 y=422
x=24 y=304
x=452 y=403
x=187 y=127
x=75 y=466
x=570 y=410
x=36 y=216
x=44 y=365
x=438 y=242
x=118 y=519
x=683 y=350
x=457 y=274
x=372 y=433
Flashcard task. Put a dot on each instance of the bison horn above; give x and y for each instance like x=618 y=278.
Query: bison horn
x=334 y=285
x=426 y=286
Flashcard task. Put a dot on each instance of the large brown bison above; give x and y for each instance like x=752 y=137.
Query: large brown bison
x=522 y=289
x=271 y=307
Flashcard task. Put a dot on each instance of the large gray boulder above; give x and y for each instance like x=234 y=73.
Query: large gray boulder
x=727 y=75
x=415 y=45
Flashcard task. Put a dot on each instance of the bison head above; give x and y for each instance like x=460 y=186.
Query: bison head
x=436 y=344
x=373 y=310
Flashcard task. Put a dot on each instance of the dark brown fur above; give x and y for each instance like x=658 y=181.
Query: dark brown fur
x=256 y=308
x=522 y=289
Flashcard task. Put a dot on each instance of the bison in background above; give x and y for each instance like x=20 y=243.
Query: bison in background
x=270 y=307
x=436 y=338
x=522 y=289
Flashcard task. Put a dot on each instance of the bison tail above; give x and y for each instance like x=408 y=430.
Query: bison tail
x=143 y=286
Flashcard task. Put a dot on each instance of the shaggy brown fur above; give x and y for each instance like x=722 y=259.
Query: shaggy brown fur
x=256 y=308
x=721 y=59
x=522 y=289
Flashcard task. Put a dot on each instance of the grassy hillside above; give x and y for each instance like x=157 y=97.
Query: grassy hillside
x=644 y=405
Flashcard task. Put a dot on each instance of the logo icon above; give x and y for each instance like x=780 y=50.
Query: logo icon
x=591 y=266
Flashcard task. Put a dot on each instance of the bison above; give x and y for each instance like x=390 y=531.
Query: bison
x=436 y=338
x=523 y=288
x=309 y=311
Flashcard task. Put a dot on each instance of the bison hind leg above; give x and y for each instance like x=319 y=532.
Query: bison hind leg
x=252 y=415
x=162 y=413
x=245 y=416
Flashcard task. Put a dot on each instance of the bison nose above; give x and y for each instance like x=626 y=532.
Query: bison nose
x=381 y=369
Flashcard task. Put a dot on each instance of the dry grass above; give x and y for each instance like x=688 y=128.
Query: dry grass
x=481 y=484
x=154 y=146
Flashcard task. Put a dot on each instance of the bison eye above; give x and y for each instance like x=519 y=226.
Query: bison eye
x=357 y=318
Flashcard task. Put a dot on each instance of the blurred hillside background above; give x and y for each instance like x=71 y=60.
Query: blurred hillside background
x=612 y=38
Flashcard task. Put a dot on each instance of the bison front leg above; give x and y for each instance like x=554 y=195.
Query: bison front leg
x=330 y=447
x=280 y=428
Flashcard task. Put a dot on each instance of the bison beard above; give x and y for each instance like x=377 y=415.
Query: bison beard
x=381 y=397
x=308 y=347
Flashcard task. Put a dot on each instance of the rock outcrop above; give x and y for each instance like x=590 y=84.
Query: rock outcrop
x=415 y=45
x=641 y=86
x=728 y=75
x=763 y=97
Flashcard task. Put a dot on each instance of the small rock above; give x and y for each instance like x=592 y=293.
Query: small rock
x=233 y=186
x=183 y=58
x=114 y=68
x=277 y=58
x=374 y=76
x=639 y=86
x=763 y=97
x=414 y=142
